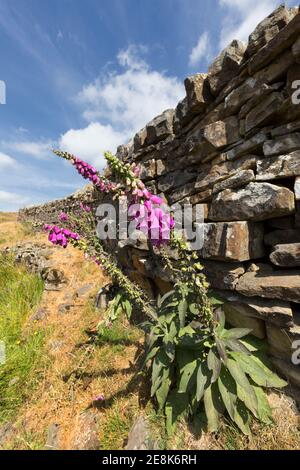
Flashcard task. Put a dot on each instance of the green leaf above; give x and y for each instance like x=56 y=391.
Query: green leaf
x=128 y=308
x=161 y=300
x=169 y=347
x=245 y=391
x=214 y=364
x=203 y=379
x=228 y=392
x=258 y=372
x=235 y=333
x=211 y=411
x=242 y=418
x=176 y=408
x=160 y=363
x=236 y=345
x=163 y=390
x=186 y=376
x=151 y=354
x=221 y=349
x=220 y=318
x=182 y=309
x=194 y=308
x=264 y=409
x=215 y=298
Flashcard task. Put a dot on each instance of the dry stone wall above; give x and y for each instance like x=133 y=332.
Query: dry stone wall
x=233 y=145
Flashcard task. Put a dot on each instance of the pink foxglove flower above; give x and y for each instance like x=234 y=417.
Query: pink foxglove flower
x=60 y=236
x=63 y=217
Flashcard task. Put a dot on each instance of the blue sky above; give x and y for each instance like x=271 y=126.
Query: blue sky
x=85 y=75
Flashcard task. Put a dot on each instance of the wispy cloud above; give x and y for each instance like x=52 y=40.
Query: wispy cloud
x=201 y=50
x=118 y=104
x=241 y=17
x=92 y=141
x=12 y=201
x=36 y=149
x=7 y=162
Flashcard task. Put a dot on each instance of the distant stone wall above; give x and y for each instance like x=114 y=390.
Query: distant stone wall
x=233 y=144
x=49 y=212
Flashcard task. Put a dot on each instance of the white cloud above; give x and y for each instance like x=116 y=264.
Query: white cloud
x=131 y=58
x=6 y=161
x=242 y=17
x=35 y=149
x=90 y=142
x=12 y=201
x=128 y=100
x=119 y=104
x=201 y=50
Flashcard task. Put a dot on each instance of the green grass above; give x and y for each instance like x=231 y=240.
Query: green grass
x=20 y=292
x=117 y=425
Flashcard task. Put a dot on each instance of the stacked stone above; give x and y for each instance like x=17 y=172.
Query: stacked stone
x=233 y=145
x=49 y=213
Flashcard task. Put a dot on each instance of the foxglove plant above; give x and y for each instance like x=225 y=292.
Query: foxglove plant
x=193 y=358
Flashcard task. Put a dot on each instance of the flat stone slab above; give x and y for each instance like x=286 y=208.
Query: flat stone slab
x=276 y=312
x=233 y=241
x=242 y=178
x=257 y=202
x=284 y=285
x=287 y=256
x=282 y=145
x=221 y=275
x=278 y=167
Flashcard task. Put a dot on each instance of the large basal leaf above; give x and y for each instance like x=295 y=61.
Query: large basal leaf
x=258 y=372
x=242 y=418
x=203 y=379
x=152 y=354
x=235 y=333
x=160 y=363
x=212 y=405
x=186 y=376
x=169 y=347
x=213 y=364
x=220 y=318
x=245 y=391
x=235 y=345
x=249 y=399
x=176 y=408
x=264 y=409
x=228 y=393
x=221 y=349
x=163 y=390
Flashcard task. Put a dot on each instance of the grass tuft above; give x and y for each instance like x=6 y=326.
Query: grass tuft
x=20 y=292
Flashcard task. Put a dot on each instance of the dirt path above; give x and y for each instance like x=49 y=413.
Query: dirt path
x=64 y=410
x=79 y=370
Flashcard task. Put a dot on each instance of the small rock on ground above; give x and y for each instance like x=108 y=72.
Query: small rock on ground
x=139 y=437
x=86 y=432
x=52 y=437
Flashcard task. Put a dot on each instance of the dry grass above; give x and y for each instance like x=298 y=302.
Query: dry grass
x=81 y=367
x=284 y=434
x=12 y=232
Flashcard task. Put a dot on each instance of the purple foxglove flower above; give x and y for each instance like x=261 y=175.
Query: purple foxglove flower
x=156 y=199
x=63 y=217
